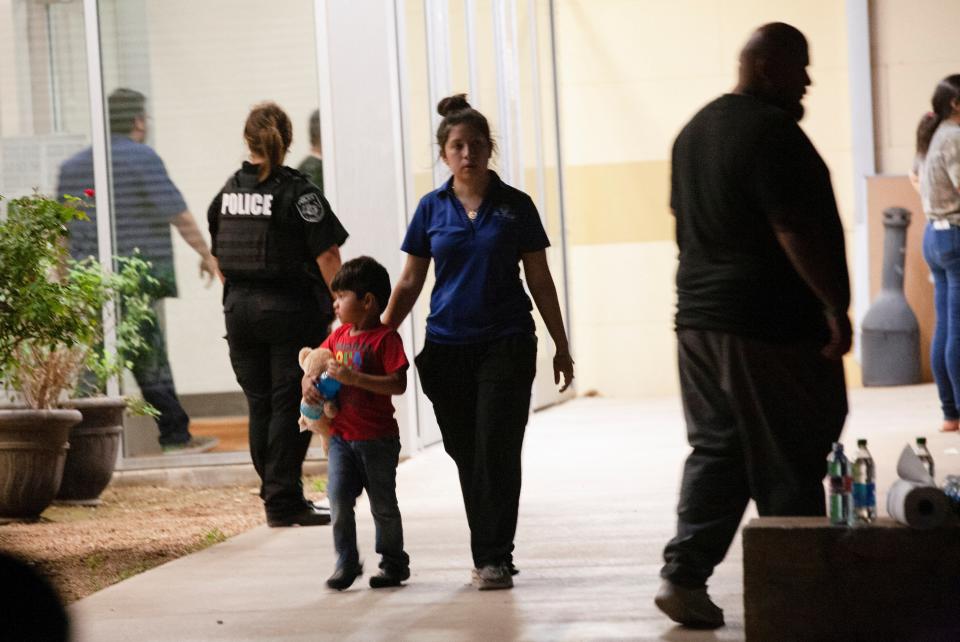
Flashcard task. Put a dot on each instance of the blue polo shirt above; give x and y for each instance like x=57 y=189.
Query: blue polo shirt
x=144 y=202
x=478 y=295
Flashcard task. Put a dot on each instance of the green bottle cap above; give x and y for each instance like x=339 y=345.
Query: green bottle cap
x=921 y=441
x=861 y=443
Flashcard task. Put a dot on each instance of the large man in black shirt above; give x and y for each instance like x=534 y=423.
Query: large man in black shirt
x=762 y=322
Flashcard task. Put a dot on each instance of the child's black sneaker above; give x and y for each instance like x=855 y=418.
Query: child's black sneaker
x=389 y=577
x=342 y=578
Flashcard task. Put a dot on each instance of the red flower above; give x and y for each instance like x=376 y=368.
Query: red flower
x=89 y=192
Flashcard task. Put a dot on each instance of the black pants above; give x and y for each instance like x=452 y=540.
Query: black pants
x=481 y=397
x=265 y=331
x=151 y=369
x=760 y=419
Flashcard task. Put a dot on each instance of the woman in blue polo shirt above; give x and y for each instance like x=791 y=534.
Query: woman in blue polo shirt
x=479 y=358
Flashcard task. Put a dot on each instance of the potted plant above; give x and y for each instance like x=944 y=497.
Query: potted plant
x=50 y=331
x=95 y=441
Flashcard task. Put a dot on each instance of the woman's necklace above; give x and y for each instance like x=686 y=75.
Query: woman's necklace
x=474 y=199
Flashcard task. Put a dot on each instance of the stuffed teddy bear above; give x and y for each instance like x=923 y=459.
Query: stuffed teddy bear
x=316 y=418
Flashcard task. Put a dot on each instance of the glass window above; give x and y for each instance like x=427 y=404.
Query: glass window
x=44 y=106
x=178 y=93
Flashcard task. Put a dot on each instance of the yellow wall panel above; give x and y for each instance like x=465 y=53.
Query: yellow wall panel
x=600 y=39
x=632 y=73
x=914 y=46
x=623 y=203
x=624 y=300
x=916 y=31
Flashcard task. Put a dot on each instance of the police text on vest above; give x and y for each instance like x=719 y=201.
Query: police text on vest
x=252 y=204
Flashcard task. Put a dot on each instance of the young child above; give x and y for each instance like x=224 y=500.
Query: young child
x=364 y=450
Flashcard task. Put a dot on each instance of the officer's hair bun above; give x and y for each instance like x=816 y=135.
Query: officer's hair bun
x=451 y=104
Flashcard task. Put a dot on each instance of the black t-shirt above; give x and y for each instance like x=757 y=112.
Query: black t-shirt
x=742 y=168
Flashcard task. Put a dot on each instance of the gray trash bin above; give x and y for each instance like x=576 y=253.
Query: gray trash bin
x=890 y=334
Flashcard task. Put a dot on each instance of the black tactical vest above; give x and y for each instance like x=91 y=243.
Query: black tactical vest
x=256 y=237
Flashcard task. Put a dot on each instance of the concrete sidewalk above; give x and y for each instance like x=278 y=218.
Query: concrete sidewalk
x=600 y=487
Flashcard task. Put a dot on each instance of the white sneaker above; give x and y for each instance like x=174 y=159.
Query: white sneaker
x=492 y=577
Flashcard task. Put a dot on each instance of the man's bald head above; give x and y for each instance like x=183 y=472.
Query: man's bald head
x=773 y=66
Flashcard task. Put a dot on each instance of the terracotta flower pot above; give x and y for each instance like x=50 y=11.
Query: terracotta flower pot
x=94 y=444
x=33 y=446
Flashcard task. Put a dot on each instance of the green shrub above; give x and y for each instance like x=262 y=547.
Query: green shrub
x=51 y=306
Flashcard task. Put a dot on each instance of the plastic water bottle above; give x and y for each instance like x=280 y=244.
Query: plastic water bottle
x=840 y=504
x=952 y=490
x=864 y=485
x=925 y=455
x=327 y=386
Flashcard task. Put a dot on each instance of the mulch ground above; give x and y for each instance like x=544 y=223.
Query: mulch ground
x=85 y=549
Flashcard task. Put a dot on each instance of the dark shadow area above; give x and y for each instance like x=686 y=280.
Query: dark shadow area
x=32 y=608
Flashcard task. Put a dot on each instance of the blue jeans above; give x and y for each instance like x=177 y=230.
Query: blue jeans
x=353 y=466
x=941 y=249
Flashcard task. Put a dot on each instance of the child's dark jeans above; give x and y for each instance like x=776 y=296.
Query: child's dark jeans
x=353 y=466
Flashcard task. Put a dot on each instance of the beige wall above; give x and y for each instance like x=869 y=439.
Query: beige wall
x=914 y=46
x=632 y=72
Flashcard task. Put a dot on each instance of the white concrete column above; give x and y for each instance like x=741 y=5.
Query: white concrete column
x=361 y=118
x=864 y=159
x=101 y=170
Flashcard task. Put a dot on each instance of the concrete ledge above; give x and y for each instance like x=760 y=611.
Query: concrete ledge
x=804 y=579
x=220 y=475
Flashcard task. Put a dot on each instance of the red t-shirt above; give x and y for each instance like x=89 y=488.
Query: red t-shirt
x=363 y=414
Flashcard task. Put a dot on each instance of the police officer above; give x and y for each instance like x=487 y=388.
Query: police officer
x=277 y=242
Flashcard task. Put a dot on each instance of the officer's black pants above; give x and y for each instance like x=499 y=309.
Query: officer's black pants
x=481 y=397
x=760 y=419
x=265 y=331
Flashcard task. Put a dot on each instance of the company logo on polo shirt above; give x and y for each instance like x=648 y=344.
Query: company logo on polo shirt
x=246 y=204
x=506 y=213
x=311 y=208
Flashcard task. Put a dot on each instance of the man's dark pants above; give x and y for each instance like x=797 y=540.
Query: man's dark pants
x=152 y=371
x=265 y=332
x=761 y=418
x=481 y=397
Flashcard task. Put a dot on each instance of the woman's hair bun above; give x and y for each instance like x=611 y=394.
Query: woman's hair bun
x=450 y=104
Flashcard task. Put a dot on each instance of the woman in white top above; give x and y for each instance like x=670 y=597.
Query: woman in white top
x=938 y=147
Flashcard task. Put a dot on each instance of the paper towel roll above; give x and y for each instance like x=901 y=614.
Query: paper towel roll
x=917 y=505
